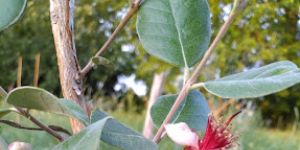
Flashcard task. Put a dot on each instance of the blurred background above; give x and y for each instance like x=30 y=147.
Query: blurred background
x=267 y=31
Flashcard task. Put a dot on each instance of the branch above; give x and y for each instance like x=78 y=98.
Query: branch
x=40 y=124
x=62 y=18
x=238 y=7
x=16 y=125
x=133 y=9
x=59 y=129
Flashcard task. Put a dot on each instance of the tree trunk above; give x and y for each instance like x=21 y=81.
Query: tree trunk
x=61 y=12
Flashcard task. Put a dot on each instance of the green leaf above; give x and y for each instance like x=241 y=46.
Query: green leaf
x=10 y=12
x=116 y=134
x=3 y=94
x=40 y=99
x=88 y=138
x=176 y=31
x=74 y=110
x=5 y=111
x=256 y=82
x=101 y=61
x=193 y=110
x=3 y=144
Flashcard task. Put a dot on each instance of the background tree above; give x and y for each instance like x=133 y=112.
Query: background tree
x=269 y=31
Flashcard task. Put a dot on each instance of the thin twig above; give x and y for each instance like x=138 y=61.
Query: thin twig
x=184 y=91
x=40 y=124
x=59 y=129
x=16 y=125
x=133 y=9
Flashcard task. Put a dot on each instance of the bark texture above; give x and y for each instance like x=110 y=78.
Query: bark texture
x=61 y=12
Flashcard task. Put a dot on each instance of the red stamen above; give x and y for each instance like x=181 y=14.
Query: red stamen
x=217 y=135
x=233 y=116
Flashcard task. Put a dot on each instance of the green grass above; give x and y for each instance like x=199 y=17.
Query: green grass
x=251 y=136
x=263 y=139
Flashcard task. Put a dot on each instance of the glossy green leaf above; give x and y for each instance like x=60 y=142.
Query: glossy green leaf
x=193 y=110
x=117 y=134
x=87 y=139
x=10 y=12
x=176 y=31
x=256 y=82
x=40 y=99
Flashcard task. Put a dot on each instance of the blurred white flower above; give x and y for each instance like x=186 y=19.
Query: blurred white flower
x=19 y=146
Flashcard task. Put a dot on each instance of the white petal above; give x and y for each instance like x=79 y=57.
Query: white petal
x=181 y=134
x=19 y=146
